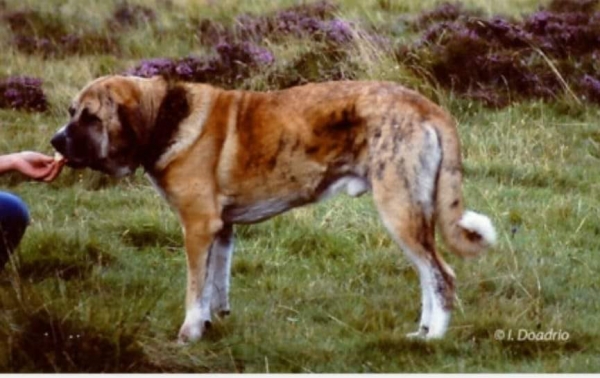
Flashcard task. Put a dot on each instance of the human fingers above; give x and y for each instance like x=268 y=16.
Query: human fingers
x=55 y=171
x=36 y=158
x=35 y=171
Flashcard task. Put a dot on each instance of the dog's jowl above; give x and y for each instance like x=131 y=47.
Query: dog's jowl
x=225 y=157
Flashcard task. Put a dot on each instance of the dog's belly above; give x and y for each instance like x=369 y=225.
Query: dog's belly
x=257 y=211
x=262 y=209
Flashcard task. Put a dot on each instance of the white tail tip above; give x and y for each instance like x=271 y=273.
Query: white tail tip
x=479 y=224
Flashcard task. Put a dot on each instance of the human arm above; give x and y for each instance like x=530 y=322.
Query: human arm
x=32 y=164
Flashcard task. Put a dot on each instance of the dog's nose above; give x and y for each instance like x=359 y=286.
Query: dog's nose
x=59 y=142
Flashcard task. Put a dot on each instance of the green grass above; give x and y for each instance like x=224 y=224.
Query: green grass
x=98 y=281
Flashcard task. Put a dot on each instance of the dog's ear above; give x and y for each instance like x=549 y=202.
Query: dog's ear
x=132 y=122
x=124 y=99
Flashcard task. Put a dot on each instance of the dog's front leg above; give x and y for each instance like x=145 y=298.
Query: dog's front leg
x=199 y=235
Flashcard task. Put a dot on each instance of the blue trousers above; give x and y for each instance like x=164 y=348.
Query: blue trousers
x=14 y=218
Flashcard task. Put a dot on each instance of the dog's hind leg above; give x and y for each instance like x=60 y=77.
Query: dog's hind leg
x=220 y=263
x=404 y=192
x=414 y=233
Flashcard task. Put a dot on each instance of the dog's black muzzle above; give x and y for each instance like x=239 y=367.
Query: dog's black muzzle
x=60 y=142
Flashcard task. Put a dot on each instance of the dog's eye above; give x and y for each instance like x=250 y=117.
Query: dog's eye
x=71 y=111
x=88 y=118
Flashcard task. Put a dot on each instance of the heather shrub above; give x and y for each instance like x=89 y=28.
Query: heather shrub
x=45 y=34
x=500 y=60
x=130 y=15
x=34 y=23
x=22 y=93
x=444 y=12
x=584 y=6
x=232 y=63
x=311 y=20
x=70 y=44
x=322 y=62
x=590 y=86
x=239 y=55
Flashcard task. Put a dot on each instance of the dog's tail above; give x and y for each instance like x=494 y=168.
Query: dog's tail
x=466 y=233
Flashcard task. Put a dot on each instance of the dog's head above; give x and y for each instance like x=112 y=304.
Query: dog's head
x=106 y=127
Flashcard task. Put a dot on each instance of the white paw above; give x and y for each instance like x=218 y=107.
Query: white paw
x=192 y=332
x=196 y=322
x=425 y=333
x=189 y=333
x=438 y=323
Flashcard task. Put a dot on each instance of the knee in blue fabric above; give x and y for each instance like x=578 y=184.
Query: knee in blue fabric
x=14 y=218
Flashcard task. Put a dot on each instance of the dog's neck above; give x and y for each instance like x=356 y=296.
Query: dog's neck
x=166 y=105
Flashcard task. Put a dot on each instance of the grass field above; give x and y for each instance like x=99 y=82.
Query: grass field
x=98 y=280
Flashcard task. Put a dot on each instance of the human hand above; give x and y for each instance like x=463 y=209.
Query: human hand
x=37 y=166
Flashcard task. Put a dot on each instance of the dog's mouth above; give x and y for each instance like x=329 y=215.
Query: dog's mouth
x=75 y=164
x=74 y=161
x=78 y=163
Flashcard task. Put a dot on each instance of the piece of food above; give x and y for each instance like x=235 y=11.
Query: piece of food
x=58 y=157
